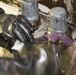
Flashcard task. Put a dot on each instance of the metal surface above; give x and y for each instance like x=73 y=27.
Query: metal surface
x=58 y=20
x=66 y=57
x=30 y=10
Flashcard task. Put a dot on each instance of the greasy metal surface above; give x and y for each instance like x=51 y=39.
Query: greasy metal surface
x=56 y=65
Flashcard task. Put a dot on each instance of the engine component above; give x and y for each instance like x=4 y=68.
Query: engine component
x=58 y=20
x=30 y=10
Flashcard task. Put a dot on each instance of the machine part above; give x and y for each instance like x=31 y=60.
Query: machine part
x=30 y=10
x=43 y=17
x=57 y=20
x=25 y=21
x=14 y=28
x=22 y=61
x=41 y=62
x=10 y=29
x=18 y=46
x=27 y=35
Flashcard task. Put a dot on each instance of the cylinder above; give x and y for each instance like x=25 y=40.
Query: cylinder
x=58 y=19
x=30 y=10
